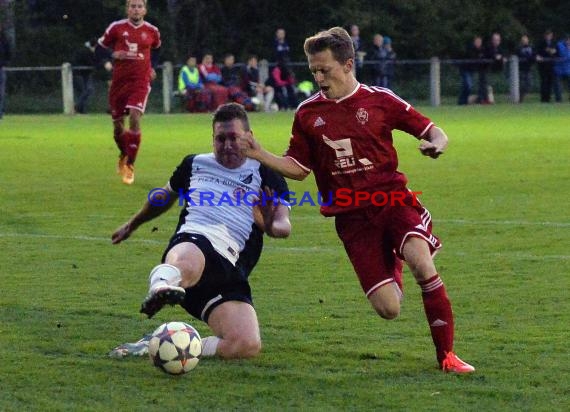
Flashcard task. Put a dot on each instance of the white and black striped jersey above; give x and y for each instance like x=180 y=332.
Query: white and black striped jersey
x=218 y=201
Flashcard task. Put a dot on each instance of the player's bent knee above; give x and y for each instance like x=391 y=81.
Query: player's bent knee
x=179 y=261
x=243 y=347
x=251 y=348
x=388 y=313
x=190 y=265
x=386 y=309
x=386 y=301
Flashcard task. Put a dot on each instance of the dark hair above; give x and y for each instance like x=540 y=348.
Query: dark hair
x=230 y=111
x=206 y=52
x=128 y=2
x=335 y=39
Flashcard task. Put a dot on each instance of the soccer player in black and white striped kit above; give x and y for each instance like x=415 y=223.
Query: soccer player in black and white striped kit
x=218 y=239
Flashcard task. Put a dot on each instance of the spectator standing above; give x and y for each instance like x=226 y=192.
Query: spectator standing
x=562 y=65
x=131 y=41
x=212 y=79
x=526 y=57
x=281 y=47
x=283 y=86
x=377 y=57
x=545 y=54
x=83 y=78
x=5 y=56
x=253 y=87
x=474 y=53
x=358 y=49
x=190 y=86
x=390 y=66
x=494 y=53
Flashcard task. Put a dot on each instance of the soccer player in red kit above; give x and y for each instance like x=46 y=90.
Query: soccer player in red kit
x=131 y=40
x=344 y=135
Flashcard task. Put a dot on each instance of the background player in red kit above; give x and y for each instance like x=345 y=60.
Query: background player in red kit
x=131 y=40
x=344 y=135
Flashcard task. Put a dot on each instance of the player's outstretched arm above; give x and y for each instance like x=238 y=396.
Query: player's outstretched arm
x=281 y=164
x=435 y=143
x=148 y=212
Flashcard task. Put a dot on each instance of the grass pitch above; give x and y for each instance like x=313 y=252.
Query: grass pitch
x=499 y=198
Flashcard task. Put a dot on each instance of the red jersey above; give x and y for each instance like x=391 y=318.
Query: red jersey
x=137 y=41
x=347 y=143
x=210 y=73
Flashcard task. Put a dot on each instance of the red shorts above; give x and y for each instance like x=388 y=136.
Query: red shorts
x=124 y=96
x=374 y=237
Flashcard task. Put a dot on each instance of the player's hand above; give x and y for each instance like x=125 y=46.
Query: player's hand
x=248 y=145
x=122 y=233
x=152 y=74
x=264 y=210
x=434 y=144
x=430 y=149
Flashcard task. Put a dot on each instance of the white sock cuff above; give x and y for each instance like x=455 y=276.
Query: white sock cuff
x=210 y=345
x=168 y=273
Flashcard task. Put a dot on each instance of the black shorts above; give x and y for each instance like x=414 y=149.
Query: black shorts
x=220 y=282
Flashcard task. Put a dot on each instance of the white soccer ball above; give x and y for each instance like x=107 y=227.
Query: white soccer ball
x=175 y=348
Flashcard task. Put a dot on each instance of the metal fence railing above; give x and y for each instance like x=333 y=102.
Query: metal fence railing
x=422 y=82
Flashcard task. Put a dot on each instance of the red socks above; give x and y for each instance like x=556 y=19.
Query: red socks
x=439 y=315
x=131 y=141
x=121 y=142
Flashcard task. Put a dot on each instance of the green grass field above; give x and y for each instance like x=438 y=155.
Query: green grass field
x=499 y=198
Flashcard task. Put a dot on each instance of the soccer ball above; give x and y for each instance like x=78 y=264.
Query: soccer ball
x=175 y=348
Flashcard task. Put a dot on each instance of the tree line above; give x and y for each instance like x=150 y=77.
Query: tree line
x=48 y=32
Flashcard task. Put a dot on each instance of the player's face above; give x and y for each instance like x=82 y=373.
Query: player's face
x=226 y=147
x=334 y=79
x=136 y=10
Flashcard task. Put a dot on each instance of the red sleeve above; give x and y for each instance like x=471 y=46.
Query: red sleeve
x=299 y=148
x=107 y=40
x=407 y=119
x=157 y=41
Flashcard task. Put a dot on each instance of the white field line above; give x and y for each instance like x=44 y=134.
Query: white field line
x=502 y=222
x=317 y=217
x=470 y=222
x=79 y=237
x=271 y=248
